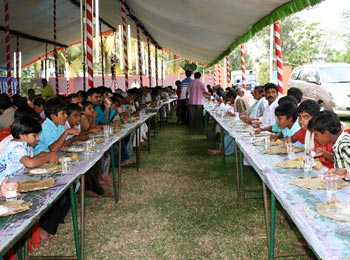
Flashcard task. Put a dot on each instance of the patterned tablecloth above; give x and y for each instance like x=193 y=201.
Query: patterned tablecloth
x=328 y=238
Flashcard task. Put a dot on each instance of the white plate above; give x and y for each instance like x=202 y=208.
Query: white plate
x=38 y=171
x=67 y=159
x=75 y=149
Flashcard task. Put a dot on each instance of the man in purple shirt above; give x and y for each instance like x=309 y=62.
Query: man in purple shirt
x=196 y=90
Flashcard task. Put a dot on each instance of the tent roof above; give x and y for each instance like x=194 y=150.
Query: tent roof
x=201 y=30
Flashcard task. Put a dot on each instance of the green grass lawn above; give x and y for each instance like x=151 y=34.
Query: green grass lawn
x=180 y=205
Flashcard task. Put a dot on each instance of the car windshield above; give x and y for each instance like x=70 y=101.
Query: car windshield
x=336 y=74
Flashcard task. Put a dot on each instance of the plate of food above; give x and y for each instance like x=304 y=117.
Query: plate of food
x=99 y=140
x=336 y=210
x=71 y=158
x=263 y=133
x=32 y=185
x=272 y=143
x=38 y=171
x=281 y=150
x=73 y=149
x=13 y=207
x=314 y=183
x=46 y=168
x=297 y=163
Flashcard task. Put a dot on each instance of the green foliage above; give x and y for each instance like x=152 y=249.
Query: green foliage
x=186 y=65
x=264 y=73
x=338 y=56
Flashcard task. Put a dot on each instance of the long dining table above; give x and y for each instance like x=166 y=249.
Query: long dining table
x=327 y=238
x=14 y=228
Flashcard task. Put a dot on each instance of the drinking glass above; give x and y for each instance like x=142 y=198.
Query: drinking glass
x=307 y=165
x=65 y=163
x=106 y=131
x=10 y=193
x=290 y=151
x=331 y=185
x=267 y=142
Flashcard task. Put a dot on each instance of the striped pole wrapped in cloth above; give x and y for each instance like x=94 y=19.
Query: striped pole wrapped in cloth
x=278 y=48
x=228 y=70
x=8 y=47
x=244 y=80
x=89 y=44
x=215 y=68
x=125 y=44
x=139 y=52
x=156 y=62
x=55 y=46
x=209 y=77
x=149 y=62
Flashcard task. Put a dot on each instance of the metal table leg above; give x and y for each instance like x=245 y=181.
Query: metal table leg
x=82 y=214
x=111 y=153
x=272 y=227
x=75 y=223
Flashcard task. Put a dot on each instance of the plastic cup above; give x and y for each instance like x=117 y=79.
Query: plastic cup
x=307 y=165
x=10 y=194
x=106 y=131
x=65 y=163
x=331 y=185
x=290 y=151
x=237 y=116
x=267 y=142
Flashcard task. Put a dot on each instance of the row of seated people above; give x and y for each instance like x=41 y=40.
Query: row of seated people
x=290 y=119
x=34 y=131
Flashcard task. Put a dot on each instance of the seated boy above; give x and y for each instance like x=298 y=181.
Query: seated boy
x=307 y=110
x=327 y=128
x=52 y=138
x=93 y=186
x=286 y=118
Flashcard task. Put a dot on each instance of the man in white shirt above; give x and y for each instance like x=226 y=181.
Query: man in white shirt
x=272 y=96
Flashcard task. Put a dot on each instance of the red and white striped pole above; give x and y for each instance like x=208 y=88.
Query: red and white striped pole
x=125 y=44
x=209 y=77
x=45 y=65
x=67 y=71
x=18 y=66
x=219 y=74
x=139 y=52
x=89 y=43
x=156 y=63
x=228 y=70
x=162 y=70
x=102 y=55
x=244 y=80
x=55 y=47
x=8 y=47
x=278 y=49
x=149 y=62
x=215 y=67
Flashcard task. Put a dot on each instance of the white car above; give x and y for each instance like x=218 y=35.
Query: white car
x=326 y=83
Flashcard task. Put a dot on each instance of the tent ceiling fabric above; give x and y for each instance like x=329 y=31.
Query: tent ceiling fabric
x=200 y=30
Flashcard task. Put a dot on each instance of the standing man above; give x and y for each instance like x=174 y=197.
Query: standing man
x=196 y=90
x=184 y=97
x=47 y=91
